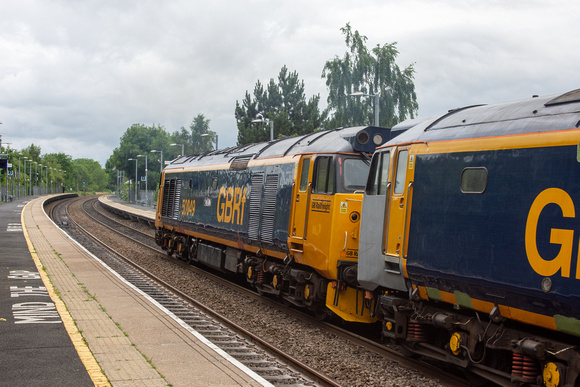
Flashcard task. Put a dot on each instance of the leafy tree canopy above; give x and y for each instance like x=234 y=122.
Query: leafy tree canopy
x=33 y=152
x=50 y=170
x=282 y=103
x=371 y=72
x=91 y=172
x=198 y=139
x=140 y=140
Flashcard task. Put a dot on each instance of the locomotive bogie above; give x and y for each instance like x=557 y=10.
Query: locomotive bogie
x=475 y=343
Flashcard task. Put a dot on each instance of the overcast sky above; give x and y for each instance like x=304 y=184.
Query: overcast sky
x=74 y=75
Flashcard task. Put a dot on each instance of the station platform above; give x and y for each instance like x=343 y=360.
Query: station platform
x=66 y=319
x=137 y=212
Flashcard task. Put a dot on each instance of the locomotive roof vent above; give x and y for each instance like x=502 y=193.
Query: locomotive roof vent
x=571 y=96
x=239 y=163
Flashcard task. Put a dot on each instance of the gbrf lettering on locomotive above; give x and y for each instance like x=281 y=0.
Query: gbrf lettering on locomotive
x=231 y=204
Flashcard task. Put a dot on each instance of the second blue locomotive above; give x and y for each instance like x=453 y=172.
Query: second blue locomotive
x=470 y=239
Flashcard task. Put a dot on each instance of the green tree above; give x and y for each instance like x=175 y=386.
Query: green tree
x=59 y=162
x=371 y=72
x=193 y=139
x=139 y=140
x=282 y=103
x=91 y=172
x=33 y=152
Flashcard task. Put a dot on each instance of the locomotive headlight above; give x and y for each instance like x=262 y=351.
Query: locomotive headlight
x=377 y=139
x=362 y=137
x=546 y=284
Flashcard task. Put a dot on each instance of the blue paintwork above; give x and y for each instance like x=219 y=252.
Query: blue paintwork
x=474 y=243
x=205 y=217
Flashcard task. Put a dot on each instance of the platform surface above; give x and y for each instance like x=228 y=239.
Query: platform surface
x=67 y=320
x=35 y=348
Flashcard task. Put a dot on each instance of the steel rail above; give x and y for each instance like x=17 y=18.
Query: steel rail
x=310 y=372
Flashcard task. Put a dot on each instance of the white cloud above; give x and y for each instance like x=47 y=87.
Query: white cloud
x=76 y=75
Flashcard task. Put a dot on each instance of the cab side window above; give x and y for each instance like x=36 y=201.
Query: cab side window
x=324 y=173
x=379 y=174
x=304 y=175
x=401 y=172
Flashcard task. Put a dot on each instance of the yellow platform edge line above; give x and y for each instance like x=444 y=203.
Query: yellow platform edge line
x=91 y=365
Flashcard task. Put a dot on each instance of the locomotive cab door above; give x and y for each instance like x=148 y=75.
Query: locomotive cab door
x=384 y=217
x=394 y=234
x=301 y=202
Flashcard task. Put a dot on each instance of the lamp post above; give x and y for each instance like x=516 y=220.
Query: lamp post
x=46 y=181
x=135 y=178
x=146 y=191
x=377 y=95
x=7 y=146
x=41 y=168
x=160 y=168
x=160 y=160
x=19 y=177
x=25 y=190
x=216 y=139
x=181 y=148
x=260 y=118
x=40 y=183
x=30 y=176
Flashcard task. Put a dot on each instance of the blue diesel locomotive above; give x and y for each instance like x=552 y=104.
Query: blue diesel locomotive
x=284 y=214
x=470 y=240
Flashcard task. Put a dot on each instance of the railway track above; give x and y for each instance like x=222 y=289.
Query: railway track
x=267 y=361
x=146 y=239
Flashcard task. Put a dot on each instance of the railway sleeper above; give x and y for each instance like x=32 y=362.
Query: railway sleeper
x=495 y=349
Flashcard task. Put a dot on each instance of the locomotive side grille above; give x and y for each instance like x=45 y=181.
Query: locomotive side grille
x=269 y=208
x=255 y=205
x=171 y=197
x=176 y=199
x=166 y=189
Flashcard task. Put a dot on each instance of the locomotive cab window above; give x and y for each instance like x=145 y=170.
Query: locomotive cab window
x=474 y=180
x=324 y=175
x=379 y=174
x=354 y=173
x=304 y=175
x=401 y=172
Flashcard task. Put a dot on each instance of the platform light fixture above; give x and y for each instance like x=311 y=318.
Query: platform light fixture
x=260 y=118
x=182 y=151
x=216 y=139
x=135 y=160
x=160 y=160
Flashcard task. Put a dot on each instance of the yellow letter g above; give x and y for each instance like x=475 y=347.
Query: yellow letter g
x=565 y=238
